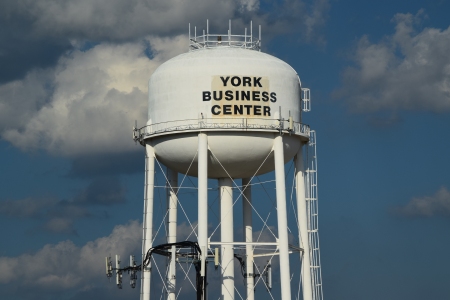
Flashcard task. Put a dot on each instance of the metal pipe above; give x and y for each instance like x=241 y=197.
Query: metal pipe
x=303 y=227
x=245 y=38
x=229 y=32
x=259 y=38
x=203 y=202
x=251 y=32
x=172 y=205
x=226 y=235
x=147 y=218
x=248 y=236
x=282 y=218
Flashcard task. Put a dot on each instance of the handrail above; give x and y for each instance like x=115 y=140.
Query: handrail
x=212 y=40
x=219 y=40
x=244 y=124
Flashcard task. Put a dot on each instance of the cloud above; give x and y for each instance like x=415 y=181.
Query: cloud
x=60 y=225
x=315 y=20
x=67 y=267
x=106 y=164
x=102 y=191
x=249 y=5
x=87 y=104
x=121 y=21
x=117 y=19
x=428 y=206
x=409 y=70
x=58 y=216
x=25 y=208
x=22 y=51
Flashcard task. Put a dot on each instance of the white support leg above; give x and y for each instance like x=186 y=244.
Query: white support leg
x=203 y=201
x=226 y=234
x=285 y=280
x=303 y=227
x=248 y=237
x=148 y=218
x=172 y=203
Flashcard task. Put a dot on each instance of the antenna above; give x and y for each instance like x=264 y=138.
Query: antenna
x=259 y=38
x=216 y=258
x=229 y=32
x=118 y=272
x=133 y=275
x=251 y=32
x=245 y=39
x=268 y=274
x=108 y=267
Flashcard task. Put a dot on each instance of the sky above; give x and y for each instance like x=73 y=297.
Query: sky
x=73 y=80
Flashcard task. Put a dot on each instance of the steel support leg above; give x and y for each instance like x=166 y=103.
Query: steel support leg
x=303 y=225
x=285 y=280
x=148 y=218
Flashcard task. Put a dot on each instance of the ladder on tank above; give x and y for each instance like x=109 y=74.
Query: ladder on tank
x=313 y=216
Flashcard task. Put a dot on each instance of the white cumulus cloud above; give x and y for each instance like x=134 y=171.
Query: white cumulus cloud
x=87 y=103
x=117 y=19
x=65 y=265
x=428 y=206
x=409 y=70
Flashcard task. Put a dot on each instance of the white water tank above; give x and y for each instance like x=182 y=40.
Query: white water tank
x=241 y=98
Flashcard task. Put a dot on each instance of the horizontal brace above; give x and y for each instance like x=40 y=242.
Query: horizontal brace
x=244 y=243
x=275 y=253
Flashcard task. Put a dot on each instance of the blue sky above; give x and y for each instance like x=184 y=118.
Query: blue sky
x=73 y=79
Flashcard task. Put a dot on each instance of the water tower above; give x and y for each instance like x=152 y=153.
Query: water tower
x=227 y=111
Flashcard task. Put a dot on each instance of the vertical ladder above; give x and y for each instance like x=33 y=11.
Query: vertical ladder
x=313 y=217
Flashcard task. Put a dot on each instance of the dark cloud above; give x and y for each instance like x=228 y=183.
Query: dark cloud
x=58 y=216
x=383 y=119
x=102 y=191
x=409 y=70
x=118 y=21
x=426 y=207
x=115 y=20
x=104 y=164
x=60 y=225
x=21 y=51
x=26 y=208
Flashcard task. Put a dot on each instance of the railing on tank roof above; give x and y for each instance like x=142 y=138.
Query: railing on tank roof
x=213 y=40
x=237 y=124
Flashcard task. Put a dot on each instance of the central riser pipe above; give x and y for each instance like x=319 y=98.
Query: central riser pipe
x=172 y=205
x=203 y=205
x=226 y=233
x=248 y=237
